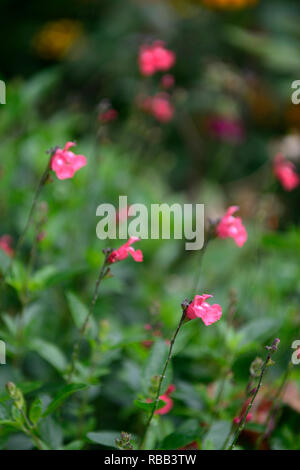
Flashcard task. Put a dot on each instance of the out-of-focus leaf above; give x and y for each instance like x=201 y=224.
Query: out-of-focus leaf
x=216 y=436
x=36 y=411
x=154 y=365
x=50 y=352
x=64 y=393
x=79 y=311
x=105 y=438
x=259 y=329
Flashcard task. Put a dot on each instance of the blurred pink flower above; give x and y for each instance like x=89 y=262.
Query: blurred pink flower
x=167 y=81
x=108 y=115
x=229 y=130
x=154 y=58
x=199 y=308
x=124 y=251
x=65 y=163
x=231 y=226
x=161 y=107
x=168 y=401
x=285 y=173
x=5 y=245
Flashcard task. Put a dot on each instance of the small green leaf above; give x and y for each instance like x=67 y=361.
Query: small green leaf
x=36 y=411
x=155 y=364
x=78 y=310
x=62 y=396
x=105 y=438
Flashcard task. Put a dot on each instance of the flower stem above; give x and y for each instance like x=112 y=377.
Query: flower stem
x=273 y=413
x=33 y=207
x=29 y=430
x=82 y=331
x=241 y=426
x=162 y=376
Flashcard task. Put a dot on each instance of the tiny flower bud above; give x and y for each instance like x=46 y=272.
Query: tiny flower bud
x=255 y=367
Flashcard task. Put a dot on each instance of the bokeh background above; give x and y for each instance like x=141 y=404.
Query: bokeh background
x=67 y=62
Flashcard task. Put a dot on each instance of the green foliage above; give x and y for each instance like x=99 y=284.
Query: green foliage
x=71 y=387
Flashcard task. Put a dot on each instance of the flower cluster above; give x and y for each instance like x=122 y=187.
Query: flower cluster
x=155 y=58
x=65 y=163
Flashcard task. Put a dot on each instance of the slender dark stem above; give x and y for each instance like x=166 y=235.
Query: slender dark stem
x=274 y=408
x=29 y=430
x=33 y=206
x=162 y=376
x=83 y=328
x=29 y=220
x=241 y=426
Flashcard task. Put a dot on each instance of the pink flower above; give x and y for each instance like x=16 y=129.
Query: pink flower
x=108 y=115
x=124 y=251
x=229 y=130
x=167 y=81
x=285 y=173
x=231 y=226
x=199 y=308
x=5 y=245
x=164 y=59
x=161 y=107
x=155 y=57
x=168 y=401
x=65 y=163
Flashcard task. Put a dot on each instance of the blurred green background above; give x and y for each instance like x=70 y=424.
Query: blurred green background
x=63 y=62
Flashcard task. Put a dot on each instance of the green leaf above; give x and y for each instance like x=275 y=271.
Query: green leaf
x=64 y=393
x=4 y=261
x=177 y=439
x=4 y=413
x=74 y=445
x=216 y=436
x=105 y=438
x=184 y=435
x=78 y=310
x=50 y=352
x=259 y=329
x=154 y=365
x=143 y=405
x=36 y=411
x=41 y=278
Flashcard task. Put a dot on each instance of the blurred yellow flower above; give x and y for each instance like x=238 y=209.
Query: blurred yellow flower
x=229 y=4
x=56 y=38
